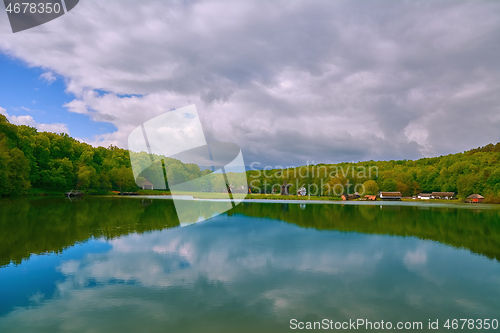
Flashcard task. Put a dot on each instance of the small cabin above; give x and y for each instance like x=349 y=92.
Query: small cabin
x=390 y=195
x=346 y=196
x=443 y=195
x=147 y=185
x=370 y=197
x=475 y=198
x=424 y=196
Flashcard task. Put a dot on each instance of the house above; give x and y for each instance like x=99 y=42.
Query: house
x=443 y=195
x=390 y=195
x=147 y=185
x=346 y=196
x=370 y=197
x=475 y=198
x=424 y=196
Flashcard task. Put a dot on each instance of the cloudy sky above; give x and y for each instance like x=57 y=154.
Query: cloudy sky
x=288 y=81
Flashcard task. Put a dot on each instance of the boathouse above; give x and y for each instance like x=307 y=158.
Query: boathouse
x=475 y=198
x=424 y=196
x=390 y=195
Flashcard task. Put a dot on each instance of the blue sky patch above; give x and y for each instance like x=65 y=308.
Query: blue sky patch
x=24 y=92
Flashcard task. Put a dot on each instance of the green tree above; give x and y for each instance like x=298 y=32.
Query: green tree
x=371 y=187
x=86 y=176
x=389 y=185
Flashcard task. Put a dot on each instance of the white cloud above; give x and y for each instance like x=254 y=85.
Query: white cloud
x=287 y=81
x=29 y=121
x=48 y=77
x=415 y=258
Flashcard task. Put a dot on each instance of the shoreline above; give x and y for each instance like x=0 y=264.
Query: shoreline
x=290 y=200
x=425 y=204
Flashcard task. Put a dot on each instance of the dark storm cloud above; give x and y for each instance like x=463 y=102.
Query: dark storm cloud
x=289 y=81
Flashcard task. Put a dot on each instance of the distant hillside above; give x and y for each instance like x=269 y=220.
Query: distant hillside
x=491 y=148
x=474 y=171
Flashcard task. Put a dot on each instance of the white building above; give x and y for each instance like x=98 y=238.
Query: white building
x=424 y=196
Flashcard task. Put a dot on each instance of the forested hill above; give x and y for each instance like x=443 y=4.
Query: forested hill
x=491 y=148
x=474 y=171
x=49 y=161
x=29 y=158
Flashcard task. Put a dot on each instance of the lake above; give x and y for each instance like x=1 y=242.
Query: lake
x=125 y=265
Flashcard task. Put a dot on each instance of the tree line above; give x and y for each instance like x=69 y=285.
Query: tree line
x=474 y=171
x=50 y=161
x=29 y=158
x=32 y=159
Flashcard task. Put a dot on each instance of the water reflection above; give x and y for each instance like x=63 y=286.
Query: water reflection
x=476 y=230
x=51 y=225
x=238 y=273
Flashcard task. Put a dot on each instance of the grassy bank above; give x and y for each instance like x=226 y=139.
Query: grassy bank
x=153 y=192
x=214 y=195
x=290 y=197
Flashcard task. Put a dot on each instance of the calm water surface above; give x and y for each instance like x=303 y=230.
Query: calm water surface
x=124 y=265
